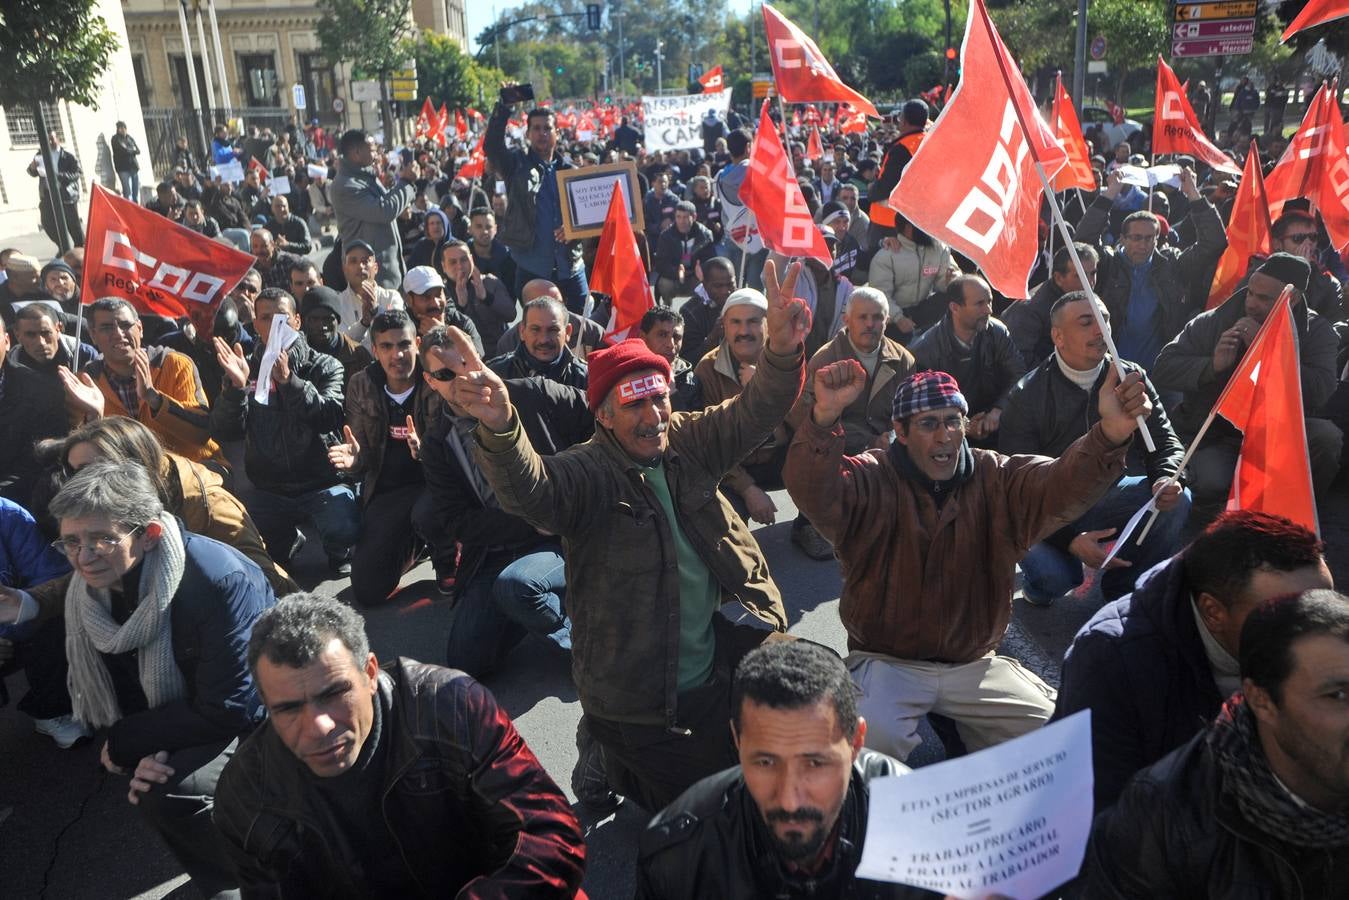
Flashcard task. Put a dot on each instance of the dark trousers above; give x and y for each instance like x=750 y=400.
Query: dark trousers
x=180 y=811
x=41 y=653
x=389 y=543
x=71 y=213
x=652 y=764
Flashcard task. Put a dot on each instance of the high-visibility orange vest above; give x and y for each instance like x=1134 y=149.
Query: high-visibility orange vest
x=881 y=213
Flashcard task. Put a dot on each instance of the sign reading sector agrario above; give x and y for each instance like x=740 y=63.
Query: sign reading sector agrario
x=675 y=122
x=1010 y=820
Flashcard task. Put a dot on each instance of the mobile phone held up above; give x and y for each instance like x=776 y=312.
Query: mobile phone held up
x=517 y=93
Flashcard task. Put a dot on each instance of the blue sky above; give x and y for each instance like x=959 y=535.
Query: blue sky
x=479 y=14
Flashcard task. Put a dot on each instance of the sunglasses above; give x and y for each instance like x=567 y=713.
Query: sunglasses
x=440 y=374
x=1302 y=237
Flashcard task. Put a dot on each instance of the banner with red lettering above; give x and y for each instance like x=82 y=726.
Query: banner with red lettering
x=973 y=182
x=771 y=190
x=800 y=69
x=158 y=266
x=1315 y=166
x=1176 y=128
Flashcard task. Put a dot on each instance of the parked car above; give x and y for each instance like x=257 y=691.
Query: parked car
x=1092 y=115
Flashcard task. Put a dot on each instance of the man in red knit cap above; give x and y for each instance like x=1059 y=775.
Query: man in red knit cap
x=653 y=550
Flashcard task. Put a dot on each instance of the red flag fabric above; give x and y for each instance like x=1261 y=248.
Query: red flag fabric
x=426 y=120
x=850 y=121
x=476 y=161
x=814 y=149
x=800 y=69
x=158 y=266
x=255 y=165
x=1315 y=166
x=1116 y=112
x=460 y=125
x=619 y=271
x=771 y=191
x=1264 y=400
x=1248 y=232
x=1068 y=130
x=1316 y=12
x=973 y=182
x=712 y=80
x=1175 y=127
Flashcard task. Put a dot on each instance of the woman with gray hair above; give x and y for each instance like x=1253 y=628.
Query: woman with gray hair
x=157 y=627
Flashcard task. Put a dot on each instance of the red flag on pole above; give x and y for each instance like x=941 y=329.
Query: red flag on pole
x=442 y=121
x=850 y=121
x=619 y=271
x=712 y=80
x=1176 y=129
x=460 y=125
x=426 y=120
x=1248 y=232
x=1316 y=12
x=474 y=167
x=158 y=266
x=1263 y=399
x=1063 y=119
x=771 y=191
x=973 y=182
x=814 y=149
x=255 y=165
x=800 y=69
x=1315 y=166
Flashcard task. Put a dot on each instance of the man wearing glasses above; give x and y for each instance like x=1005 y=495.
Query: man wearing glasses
x=929 y=532
x=1295 y=232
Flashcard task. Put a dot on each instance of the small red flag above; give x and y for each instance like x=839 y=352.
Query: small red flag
x=1116 y=112
x=426 y=120
x=1063 y=119
x=850 y=121
x=474 y=167
x=814 y=149
x=619 y=271
x=1263 y=399
x=1316 y=12
x=1176 y=129
x=802 y=73
x=158 y=266
x=460 y=125
x=973 y=182
x=1248 y=232
x=771 y=191
x=712 y=80
x=254 y=165
x=1315 y=166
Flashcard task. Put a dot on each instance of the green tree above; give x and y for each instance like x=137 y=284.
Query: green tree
x=448 y=75
x=1136 y=31
x=43 y=64
x=372 y=35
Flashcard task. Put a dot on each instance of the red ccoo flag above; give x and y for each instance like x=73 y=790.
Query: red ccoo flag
x=814 y=149
x=619 y=271
x=1263 y=399
x=426 y=120
x=474 y=167
x=973 y=182
x=1063 y=119
x=802 y=73
x=460 y=125
x=712 y=80
x=1316 y=12
x=1315 y=166
x=1176 y=128
x=1248 y=232
x=158 y=266
x=771 y=191
x=850 y=121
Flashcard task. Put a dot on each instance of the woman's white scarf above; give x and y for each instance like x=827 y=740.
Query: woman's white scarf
x=91 y=630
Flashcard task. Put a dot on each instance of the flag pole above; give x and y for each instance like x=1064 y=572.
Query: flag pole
x=1063 y=226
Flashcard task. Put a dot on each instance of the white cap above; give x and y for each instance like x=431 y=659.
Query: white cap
x=421 y=279
x=746 y=297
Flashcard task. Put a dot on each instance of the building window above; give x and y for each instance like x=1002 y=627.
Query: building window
x=142 y=83
x=260 y=79
x=320 y=86
x=182 y=86
x=23 y=130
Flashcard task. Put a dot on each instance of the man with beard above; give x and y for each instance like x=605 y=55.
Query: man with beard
x=702 y=311
x=975 y=349
x=320 y=313
x=1050 y=409
x=544 y=334
x=481 y=297
x=790 y=819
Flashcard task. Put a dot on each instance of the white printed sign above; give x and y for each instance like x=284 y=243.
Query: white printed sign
x=278 y=185
x=675 y=123
x=231 y=172
x=1150 y=176
x=1011 y=820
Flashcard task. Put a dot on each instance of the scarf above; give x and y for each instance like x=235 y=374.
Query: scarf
x=1265 y=803
x=940 y=490
x=91 y=630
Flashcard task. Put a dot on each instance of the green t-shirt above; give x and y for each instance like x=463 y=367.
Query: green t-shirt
x=699 y=595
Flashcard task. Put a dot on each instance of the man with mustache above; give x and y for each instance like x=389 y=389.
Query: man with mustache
x=790 y=819
x=544 y=334
x=929 y=532
x=653 y=549
x=1052 y=407
x=976 y=350
x=425 y=292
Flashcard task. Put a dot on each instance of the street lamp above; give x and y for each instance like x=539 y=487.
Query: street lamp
x=659 y=45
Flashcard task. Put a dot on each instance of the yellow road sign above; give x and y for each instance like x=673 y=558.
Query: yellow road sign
x=1229 y=9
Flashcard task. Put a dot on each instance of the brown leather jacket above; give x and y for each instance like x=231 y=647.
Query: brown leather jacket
x=622 y=569
x=924 y=584
x=868 y=418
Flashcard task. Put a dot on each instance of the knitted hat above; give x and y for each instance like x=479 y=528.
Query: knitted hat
x=832 y=210
x=321 y=297
x=58 y=265
x=927 y=390
x=1287 y=269
x=746 y=297
x=609 y=367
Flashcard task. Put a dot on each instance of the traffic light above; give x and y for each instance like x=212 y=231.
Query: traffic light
x=593 y=16
x=951 y=53
x=559 y=70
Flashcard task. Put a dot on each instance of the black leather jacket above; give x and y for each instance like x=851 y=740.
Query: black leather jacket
x=470 y=807
x=712 y=842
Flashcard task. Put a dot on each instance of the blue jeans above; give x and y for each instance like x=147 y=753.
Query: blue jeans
x=503 y=603
x=333 y=510
x=753 y=264
x=1050 y=572
x=573 y=285
x=131 y=185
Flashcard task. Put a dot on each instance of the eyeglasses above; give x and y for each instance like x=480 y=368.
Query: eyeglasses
x=930 y=424
x=1301 y=238
x=440 y=374
x=102 y=546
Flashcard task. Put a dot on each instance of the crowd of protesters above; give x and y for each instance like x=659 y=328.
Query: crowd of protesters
x=449 y=390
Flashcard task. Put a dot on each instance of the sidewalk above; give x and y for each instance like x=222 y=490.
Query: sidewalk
x=34 y=243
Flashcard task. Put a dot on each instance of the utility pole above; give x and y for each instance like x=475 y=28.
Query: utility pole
x=220 y=61
x=622 y=64
x=817 y=20
x=496 y=35
x=190 y=63
x=1080 y=58
x=659 y=45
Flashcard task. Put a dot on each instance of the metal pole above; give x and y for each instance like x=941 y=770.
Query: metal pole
x=496 y=35
x=622 y=62
x=220 y=61
x=753 y=50
x=1080 y=58
x=659 y=45
x=206 y=71
x=191 y=76
x=50 y=161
